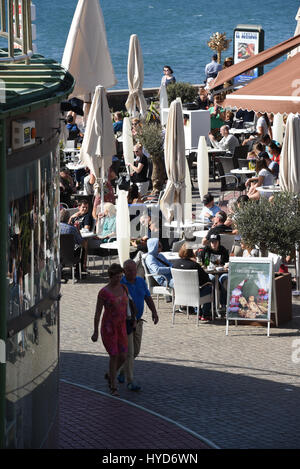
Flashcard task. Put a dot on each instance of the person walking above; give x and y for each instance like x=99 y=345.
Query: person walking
x=114 y=298
x=138 y=291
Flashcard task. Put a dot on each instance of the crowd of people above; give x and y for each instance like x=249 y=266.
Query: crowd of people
x=122 y=299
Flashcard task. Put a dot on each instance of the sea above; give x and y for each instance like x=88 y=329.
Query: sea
x=170 y=32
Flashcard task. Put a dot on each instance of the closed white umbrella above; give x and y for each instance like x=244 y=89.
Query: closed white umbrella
x=135 y=72
x=289 y=172
x=127 y=141
x=188 y=212
x=163 y=103
x=202 y=167
x=123 y=227
x=86 y=55
x=99 y=144
x=278 y=128
x=175 y=161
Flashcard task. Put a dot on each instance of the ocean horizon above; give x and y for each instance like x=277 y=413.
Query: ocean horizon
x=173 y=33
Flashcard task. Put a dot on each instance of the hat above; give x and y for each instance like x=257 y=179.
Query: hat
x=214 y=237
x=215 y=56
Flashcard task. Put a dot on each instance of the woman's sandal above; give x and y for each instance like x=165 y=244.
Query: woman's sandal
x=114 y=392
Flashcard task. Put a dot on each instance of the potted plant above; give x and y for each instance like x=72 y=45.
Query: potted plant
x=180 y=89
x=151 y=137
x=271 y=225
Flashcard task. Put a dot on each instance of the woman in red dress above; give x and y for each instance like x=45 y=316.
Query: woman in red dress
x=114 y=298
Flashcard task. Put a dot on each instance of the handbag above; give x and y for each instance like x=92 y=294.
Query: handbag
x=131 y=313
x=124 y=182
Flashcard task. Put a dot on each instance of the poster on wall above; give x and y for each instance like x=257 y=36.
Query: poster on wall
x=248 y=41
x=249 y=290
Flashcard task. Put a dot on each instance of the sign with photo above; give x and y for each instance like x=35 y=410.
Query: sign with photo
x=248 y=41
x=249 y=290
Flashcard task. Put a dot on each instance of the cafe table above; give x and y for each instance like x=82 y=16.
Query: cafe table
x=269 y=189
x=243 y=171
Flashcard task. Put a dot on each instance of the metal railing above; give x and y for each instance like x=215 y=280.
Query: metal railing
x=16 y=28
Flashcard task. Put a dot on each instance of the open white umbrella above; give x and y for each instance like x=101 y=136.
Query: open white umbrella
x=86 y=55
x=135 y=72
x=163 y=104
x=175 y=162
x=127 y=141
x=202 y=167
x=123 y=227
x=99 y=144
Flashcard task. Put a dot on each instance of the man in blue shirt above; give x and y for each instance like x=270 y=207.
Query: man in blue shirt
x=213 y=68
x=138 y=290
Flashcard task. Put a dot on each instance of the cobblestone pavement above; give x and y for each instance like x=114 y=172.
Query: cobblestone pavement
x=236 y=391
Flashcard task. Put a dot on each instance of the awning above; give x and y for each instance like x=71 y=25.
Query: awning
x=263 y=58
x=276 y=91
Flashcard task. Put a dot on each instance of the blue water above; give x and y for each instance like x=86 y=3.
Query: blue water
x=171 y=33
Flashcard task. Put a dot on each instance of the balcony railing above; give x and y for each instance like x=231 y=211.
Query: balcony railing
x=16 y=28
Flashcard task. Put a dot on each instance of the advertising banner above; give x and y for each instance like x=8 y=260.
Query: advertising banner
x=248 y=41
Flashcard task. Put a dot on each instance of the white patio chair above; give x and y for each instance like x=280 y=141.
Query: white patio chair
x=227 y=240
x=187 y=291
x=153 y=286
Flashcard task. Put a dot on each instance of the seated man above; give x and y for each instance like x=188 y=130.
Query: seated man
x=118 y=122
x=228 y=142
x=66 y=228
x=157 y=263
x=74 y=131
x=82 y=218
x=217 y=227
x=209 y=210
x=218 y=255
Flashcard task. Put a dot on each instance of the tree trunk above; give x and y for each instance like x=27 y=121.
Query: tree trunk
x=159 y=175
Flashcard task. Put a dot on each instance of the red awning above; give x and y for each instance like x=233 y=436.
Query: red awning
x=257 y=60
x=276 y=91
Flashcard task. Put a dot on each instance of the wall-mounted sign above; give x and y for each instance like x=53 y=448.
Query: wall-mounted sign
x=248 y=41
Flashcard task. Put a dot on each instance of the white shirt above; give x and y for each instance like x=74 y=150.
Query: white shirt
x=228 y=143
x=261 y=122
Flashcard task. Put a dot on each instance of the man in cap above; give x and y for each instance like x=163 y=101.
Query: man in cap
x=209 y=210
x=218 y=256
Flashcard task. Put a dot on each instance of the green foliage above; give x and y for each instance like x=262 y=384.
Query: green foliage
x=180 y=89
x=151 y=138
x=271 y=225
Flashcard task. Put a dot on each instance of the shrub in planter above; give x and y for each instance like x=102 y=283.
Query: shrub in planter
x=271 y=225
x=185 y=91
x=151 y=137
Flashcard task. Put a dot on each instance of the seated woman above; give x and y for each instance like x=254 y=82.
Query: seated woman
x=187 y=260
x=109 y=224
x=107 y=232
x=134 y=195
x=264 y=178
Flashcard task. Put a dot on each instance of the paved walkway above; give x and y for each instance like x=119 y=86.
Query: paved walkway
x=235 y=391
x=200 y=388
